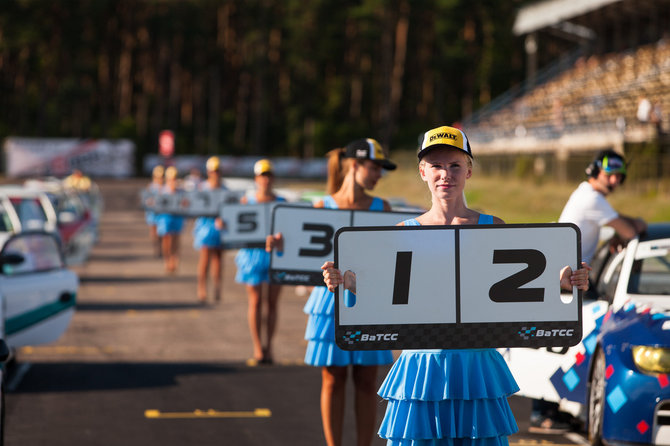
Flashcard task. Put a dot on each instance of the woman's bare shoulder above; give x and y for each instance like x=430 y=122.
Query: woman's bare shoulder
x=497 y=220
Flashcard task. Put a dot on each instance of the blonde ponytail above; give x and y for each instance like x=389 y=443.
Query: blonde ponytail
x=335 y=170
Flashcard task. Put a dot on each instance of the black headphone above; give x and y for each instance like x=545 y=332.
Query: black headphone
x=602 y=161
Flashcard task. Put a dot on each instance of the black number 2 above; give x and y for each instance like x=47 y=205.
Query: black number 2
x=509 y=289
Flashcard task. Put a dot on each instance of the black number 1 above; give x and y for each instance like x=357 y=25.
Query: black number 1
x=508 y=290
x=403 y=266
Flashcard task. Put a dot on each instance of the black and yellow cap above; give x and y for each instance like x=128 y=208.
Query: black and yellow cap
x=213 y=164
x=368 y=149
x=444 y=136
x=263 y=166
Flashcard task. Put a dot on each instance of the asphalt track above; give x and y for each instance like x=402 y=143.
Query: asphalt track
x=143 y=364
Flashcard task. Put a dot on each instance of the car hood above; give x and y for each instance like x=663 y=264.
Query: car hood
x=639 y=324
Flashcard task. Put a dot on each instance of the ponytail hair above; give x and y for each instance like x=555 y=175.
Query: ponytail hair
x=336 y=170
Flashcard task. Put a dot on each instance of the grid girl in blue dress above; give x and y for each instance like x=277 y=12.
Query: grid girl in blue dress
x=150 y=216
x=253 y=270
x=448 y=397
x=352 y=171
x=169 y=226
x=207 y=238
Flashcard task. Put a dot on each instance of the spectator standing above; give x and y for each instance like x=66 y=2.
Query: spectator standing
x=643 y=110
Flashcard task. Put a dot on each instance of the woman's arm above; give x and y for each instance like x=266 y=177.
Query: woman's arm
x=333 y=277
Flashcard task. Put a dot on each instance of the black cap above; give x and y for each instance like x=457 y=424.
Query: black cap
x=368 y=149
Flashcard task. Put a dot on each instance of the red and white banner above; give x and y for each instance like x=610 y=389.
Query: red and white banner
x=25 y=157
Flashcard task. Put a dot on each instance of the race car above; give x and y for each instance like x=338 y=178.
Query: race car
x=26 y=209
x=37 y=296
x=618 y=378
x=76 y=224
x=37 y=291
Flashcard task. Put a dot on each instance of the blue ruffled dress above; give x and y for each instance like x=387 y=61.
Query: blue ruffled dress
x=205 y=232
x=253 y=264
x=168 y=223
x=320 y=332
x=448 y=397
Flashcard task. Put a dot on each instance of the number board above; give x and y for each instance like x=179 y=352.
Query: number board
x=205 y=203
x=147 y=199
x=308 y=239
x=470 y=286
x=247 y=225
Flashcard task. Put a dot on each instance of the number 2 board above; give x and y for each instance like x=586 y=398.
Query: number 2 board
x=479 y=286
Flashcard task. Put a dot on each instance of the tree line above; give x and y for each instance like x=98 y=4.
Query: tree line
x=275 y=77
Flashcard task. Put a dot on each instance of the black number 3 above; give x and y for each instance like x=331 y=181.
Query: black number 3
x=509 y=289
x=326 y=240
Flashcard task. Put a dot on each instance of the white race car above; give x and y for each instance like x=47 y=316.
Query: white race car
x=37 y=295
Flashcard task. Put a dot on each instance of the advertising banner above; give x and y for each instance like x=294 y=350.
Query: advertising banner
x=29 y=157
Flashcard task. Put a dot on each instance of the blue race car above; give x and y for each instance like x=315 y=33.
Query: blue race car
x=618 y=378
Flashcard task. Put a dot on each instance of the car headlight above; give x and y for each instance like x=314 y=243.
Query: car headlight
x=652 y=359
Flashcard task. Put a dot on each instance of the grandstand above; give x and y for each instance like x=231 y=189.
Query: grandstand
x=608 y=56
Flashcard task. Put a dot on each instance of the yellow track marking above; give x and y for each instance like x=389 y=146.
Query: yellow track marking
x=66 y=350
x=211 y=413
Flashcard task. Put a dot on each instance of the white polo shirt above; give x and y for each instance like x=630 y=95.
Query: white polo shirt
x=589 y=210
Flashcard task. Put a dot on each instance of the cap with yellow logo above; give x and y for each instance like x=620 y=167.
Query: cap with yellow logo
x=171 y=173
x=263 y=166
x=368 y=149
x=213 y=164
x=158 y=171
x=444 y=136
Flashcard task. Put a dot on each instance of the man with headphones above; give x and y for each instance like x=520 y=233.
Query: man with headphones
x=589 y=209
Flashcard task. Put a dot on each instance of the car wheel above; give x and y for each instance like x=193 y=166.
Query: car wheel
x=597 y=400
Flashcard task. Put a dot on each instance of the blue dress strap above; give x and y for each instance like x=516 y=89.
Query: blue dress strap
x=329 y=202
x=377 y=204
x=485 y=219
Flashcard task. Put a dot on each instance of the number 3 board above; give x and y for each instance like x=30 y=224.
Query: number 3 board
x=479 y=286
x=308 y=239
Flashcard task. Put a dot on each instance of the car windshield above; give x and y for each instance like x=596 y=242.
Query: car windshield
x=30 y=211
x=650 y=273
